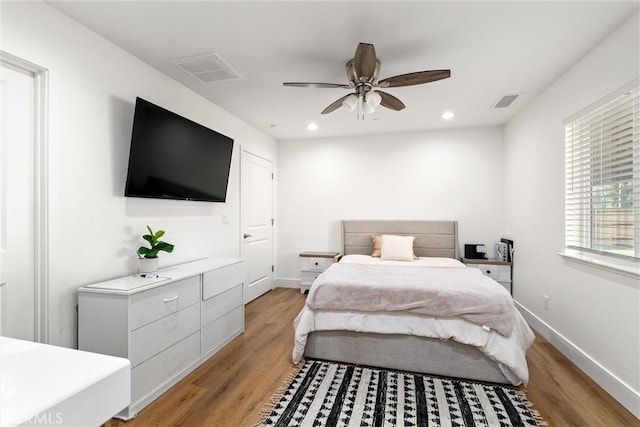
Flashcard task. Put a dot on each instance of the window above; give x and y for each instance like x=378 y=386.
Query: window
x=602 y=178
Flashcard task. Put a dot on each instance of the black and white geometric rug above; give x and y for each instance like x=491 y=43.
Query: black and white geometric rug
x=331 y=394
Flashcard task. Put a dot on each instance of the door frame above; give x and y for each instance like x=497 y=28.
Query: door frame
x=41 y=190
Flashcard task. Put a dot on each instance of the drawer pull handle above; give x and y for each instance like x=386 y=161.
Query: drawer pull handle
x=173 y=298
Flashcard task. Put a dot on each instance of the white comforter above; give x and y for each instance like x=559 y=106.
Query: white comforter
x=508 y=351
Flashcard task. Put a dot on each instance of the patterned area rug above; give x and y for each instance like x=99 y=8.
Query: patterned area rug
x=331 y=394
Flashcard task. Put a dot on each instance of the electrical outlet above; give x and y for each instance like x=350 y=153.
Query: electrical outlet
x=546 y=302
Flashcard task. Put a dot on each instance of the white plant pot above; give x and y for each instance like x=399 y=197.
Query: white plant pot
x=148 y=265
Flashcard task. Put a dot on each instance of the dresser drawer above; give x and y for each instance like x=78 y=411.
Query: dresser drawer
x=507 y=286
x=496 y=272
x=487 y=270
x=221 y=330
x=148 y=376
x=217 y=281
x=503 y=273
x=153 y=338
x=159 y=302
x=315 y=263
x=221 y=304
x=307 y=277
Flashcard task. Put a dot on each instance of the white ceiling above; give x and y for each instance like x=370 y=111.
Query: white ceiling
x=492 y=49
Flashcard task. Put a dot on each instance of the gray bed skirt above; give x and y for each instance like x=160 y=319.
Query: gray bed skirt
x=404 y=352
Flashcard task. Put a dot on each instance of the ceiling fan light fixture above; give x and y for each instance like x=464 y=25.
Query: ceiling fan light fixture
x=362 y=74
x=350 y=102
x=373 y=99
x=367 y=108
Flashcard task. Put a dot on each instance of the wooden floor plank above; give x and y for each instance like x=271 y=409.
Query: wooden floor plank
x=232 y=387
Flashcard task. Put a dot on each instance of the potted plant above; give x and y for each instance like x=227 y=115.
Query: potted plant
x=148 y=256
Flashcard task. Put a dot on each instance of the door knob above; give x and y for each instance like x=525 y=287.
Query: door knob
x=246 y=236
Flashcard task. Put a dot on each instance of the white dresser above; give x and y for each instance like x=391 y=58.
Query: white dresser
x=166 y=325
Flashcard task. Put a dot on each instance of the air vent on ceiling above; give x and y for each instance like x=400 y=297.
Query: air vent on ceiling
x=505 y=101
x=207 y=68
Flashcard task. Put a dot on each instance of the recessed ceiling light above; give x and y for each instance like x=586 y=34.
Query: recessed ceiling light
x=312 y=126
x=274 y=126
x=448 y=115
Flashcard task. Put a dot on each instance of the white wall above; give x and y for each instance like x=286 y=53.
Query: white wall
x=450 y=174
x=94 y=229
x=593 y=315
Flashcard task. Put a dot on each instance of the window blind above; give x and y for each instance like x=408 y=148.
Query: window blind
x=602 y=178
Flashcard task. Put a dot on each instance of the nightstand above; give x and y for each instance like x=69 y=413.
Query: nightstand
x=312 y=264
x=500 y=271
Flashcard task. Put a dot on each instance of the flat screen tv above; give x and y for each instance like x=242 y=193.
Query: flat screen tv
x=172 y=157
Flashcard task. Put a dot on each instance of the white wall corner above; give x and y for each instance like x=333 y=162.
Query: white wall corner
x=622 y=392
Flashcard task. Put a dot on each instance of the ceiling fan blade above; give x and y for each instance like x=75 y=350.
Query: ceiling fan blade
x=417 y=78
x=317 y=85
x=364 y=61
x=335 y=105
x=390 y=101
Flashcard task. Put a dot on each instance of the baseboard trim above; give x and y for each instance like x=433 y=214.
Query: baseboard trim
x=287 y=283
x=618 y=389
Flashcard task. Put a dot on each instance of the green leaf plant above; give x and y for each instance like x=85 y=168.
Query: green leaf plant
x=156 y=245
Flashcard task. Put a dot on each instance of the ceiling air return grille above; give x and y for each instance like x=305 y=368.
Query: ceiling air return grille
x=207 y=68
x=505 y=101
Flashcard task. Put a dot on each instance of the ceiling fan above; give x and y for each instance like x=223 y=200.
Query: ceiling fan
x=362 y=73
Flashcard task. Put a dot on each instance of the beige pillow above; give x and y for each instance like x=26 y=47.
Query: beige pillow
x=376 y=246
x=398 y=248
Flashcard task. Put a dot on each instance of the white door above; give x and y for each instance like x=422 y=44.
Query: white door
x=17 y=210
x=257 y=224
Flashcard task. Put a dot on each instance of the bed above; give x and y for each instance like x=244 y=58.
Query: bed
x=344 y=319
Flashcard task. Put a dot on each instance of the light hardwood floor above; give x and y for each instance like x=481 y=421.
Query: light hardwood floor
x=232 y=387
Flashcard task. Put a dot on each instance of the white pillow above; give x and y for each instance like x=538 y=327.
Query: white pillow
x=398 y=248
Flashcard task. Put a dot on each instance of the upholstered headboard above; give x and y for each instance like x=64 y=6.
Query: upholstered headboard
x=433 y=238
